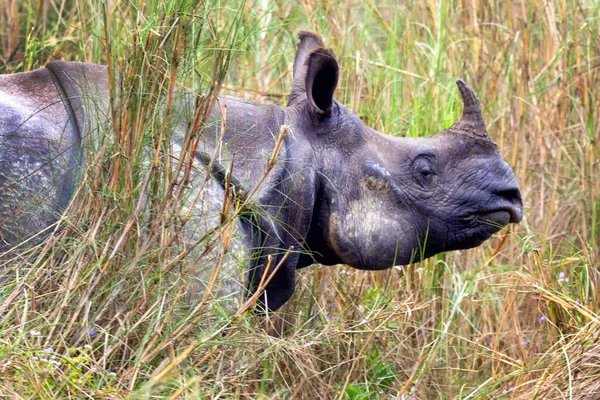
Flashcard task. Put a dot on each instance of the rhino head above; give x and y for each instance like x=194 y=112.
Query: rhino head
x=381 y=201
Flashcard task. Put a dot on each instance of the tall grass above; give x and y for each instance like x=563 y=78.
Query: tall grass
x=515 y=318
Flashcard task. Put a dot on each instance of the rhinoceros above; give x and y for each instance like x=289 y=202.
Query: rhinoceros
x=339 y=193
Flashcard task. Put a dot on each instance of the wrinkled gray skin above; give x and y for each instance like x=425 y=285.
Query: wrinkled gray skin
x=41 y=120
x=340 y=192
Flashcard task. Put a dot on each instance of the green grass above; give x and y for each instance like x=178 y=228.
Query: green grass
x=515 y=318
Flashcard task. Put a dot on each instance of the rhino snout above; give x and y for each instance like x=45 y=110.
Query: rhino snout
x=512 y=202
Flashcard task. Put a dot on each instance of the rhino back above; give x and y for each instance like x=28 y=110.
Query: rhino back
x=39 y=154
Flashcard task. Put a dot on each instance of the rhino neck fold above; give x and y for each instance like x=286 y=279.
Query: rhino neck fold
x=67 y=98
x=86 y=93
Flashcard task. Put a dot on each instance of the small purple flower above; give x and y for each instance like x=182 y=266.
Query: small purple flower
x=112 y=373
x=541 y=319
x=48 y=350
x=509 y=390
x=92 y=332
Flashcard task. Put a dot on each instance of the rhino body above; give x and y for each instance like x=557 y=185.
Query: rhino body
x=340 y=192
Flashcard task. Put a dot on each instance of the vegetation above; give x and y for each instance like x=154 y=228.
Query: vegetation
x=95 y=312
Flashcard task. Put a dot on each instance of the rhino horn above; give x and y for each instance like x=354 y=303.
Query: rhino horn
x=471 y=122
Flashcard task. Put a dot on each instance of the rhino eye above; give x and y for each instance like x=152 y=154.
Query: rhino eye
x=424 y=172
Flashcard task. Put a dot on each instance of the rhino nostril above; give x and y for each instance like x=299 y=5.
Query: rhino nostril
x=508 y=193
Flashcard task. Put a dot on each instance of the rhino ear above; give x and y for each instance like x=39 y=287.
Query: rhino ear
x=315 y=74
x=309 y=42
x=321 y=80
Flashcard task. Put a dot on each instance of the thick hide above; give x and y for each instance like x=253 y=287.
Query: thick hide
x=339 y=191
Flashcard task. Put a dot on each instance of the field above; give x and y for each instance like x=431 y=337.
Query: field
x=94 y=311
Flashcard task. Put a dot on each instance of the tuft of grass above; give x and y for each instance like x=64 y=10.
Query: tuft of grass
x=515 y=318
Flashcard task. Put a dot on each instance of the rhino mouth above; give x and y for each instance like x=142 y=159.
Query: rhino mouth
x=500 y=216
x=495 y=218
x=483 y=224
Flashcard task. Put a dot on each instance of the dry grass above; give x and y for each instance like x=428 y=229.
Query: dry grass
x=516 y=318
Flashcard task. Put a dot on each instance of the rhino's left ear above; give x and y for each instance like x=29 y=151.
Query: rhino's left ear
x=309 y=42
x=321 y=80
x=315 y=74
